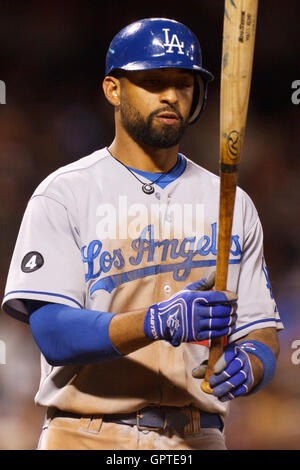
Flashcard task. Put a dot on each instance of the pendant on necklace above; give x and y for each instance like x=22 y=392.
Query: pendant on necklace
x=148 y=188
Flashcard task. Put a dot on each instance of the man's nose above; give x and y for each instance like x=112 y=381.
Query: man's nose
x=169 y=95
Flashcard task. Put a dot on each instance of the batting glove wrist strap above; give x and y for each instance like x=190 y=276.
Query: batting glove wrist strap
x=264 y=353
x=151 y=323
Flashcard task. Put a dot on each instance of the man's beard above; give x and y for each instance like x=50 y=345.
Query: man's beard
x=143 y=131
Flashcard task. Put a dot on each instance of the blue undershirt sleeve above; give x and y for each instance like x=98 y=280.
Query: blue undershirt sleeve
x=70 y=336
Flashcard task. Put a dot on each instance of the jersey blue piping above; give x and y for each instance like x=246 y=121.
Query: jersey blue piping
x=43 y=293
x=276 y=320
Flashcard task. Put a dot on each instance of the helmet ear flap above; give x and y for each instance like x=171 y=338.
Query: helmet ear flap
x=199 y=98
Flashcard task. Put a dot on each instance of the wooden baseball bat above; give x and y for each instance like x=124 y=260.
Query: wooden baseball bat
x=237 y=58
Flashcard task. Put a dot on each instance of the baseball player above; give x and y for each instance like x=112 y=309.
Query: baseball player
x=114 y=264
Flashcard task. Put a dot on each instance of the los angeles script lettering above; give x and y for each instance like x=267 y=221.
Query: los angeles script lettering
x=144 y=248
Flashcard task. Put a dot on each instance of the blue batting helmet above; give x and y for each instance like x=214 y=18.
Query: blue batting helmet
x=155 y=43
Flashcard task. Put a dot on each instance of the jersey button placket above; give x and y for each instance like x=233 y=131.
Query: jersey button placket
x=167 y=289
x=155 y=199
x=166 y=221
x=162 y=289
x=168 y=213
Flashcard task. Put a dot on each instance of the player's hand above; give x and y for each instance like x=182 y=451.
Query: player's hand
x=192 y=314
x=233 y=373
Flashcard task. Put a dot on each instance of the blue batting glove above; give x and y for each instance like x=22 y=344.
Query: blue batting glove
x=233 y=373
x=193 y=314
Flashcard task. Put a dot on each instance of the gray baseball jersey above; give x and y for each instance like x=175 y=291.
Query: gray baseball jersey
x=91 y=238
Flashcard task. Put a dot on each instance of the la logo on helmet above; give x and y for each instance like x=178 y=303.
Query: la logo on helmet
x=174 y=42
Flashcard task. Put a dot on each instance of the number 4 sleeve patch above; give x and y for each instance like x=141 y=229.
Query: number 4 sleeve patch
x=32 y=261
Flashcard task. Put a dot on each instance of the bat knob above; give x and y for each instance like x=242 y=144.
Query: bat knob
x=205 y=387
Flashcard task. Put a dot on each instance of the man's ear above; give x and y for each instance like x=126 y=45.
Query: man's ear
x=112 y=90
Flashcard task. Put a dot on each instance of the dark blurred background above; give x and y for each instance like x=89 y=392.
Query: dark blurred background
x=52 y=58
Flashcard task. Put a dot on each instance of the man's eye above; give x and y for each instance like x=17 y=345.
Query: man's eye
x=155 y=83
x=151 y=82
x=185 y=84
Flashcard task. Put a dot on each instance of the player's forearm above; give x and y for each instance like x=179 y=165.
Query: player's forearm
x=126 y=331
x=267 y=336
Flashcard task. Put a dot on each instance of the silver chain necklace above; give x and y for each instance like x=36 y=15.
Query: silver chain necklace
x=146 y=187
